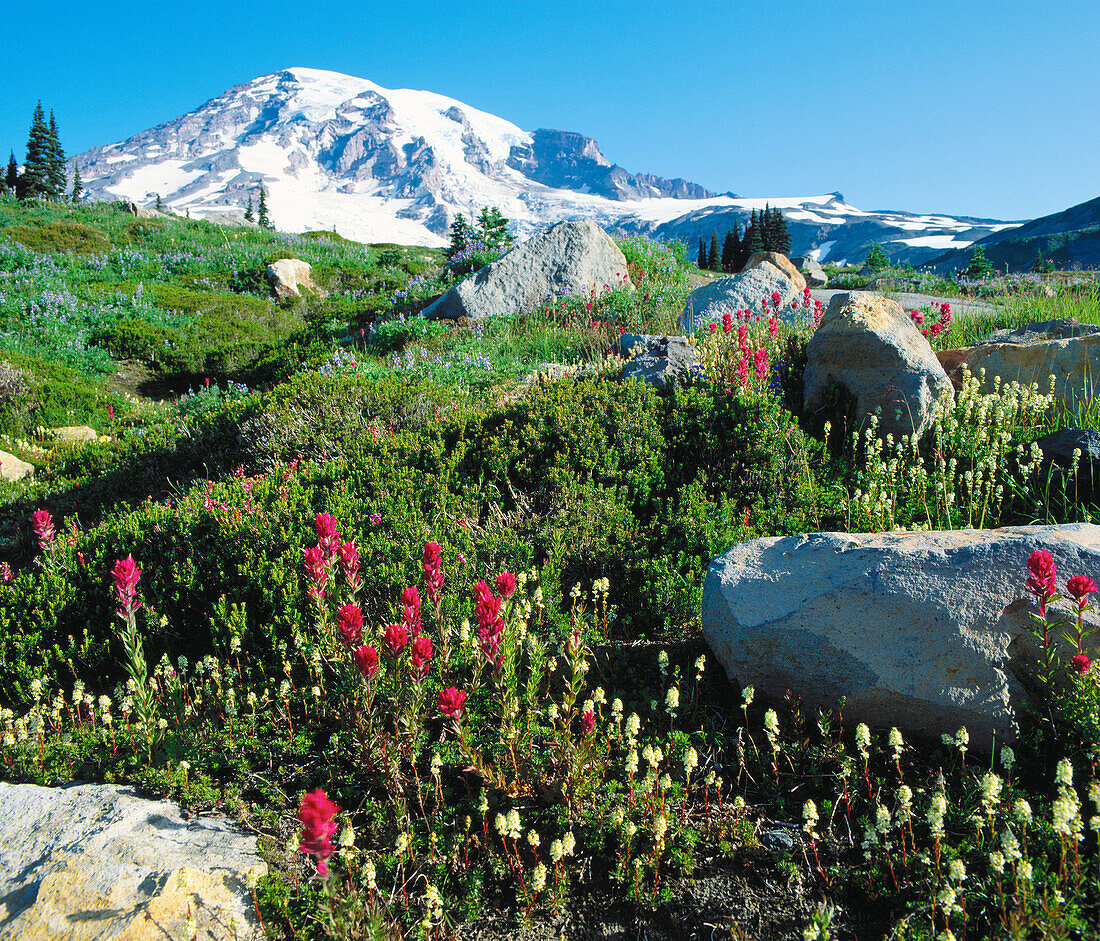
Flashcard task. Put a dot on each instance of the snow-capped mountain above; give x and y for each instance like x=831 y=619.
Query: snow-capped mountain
x=382 y=165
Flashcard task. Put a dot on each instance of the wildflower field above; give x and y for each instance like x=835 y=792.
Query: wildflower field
x=419 y=602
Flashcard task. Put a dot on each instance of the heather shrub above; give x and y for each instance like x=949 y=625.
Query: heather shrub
x=72 y=237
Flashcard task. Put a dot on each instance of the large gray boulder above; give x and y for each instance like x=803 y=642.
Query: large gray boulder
x=924 y=631
x=95 y=861
x=869 y=347
x=571 y=258
x=740 y=291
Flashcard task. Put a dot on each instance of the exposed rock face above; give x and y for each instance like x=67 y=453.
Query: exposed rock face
x=12 y=468
x=780 y=261
x=1065 y=349
x=657 y=359
x=737 y=292
x=289 y=275
x=571 y=258
x=868 y=345
x=924 y=631
x=95 y=862
x=568 y=160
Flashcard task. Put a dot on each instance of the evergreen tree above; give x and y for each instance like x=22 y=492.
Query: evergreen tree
x=249 y=215
x=877 y=259
x=492 y=228
x=979 y=266
x=34 y=180
x=55 y=161
x=729 y=252
x=158 y=206
x=78 y=184
x=701 y=258
x=264 y=219
x=767 y=228
x=461 y=236
x=782 y=236
x=715 y=258
x=11 y=178
x=756 y=234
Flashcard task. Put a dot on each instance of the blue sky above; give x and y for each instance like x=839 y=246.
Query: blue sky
x=979 y=107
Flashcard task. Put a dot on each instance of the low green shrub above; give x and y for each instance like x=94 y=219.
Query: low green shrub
x=73 y=237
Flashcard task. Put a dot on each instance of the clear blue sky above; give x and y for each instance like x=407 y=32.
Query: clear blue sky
x=979 y=107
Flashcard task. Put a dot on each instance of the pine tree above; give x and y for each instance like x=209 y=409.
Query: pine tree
x=492 y=228
x=979 y=266
x=55 y=161
x=767 y=228
x=78 y=184
x=782 y=236
x=11 y=178
x=264 y=219
x=714 y=259
x=461 y=236
x=34 y=180
x=159 y=203
x=701 y=258
x=729 y=252
x=877 y=259
x=756 y=234
x=249 y=215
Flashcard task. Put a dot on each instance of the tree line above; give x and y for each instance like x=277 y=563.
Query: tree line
x=766 y=232
x=43 y=174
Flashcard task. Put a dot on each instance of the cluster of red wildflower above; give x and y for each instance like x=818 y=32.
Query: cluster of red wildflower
x=127 y=574
x=317 y=814
x=937 y=327
x=433 y=570
x=44 y=530
x=1042 y=581
x=490 y=625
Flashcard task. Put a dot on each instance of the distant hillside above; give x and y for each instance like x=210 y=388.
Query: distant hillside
x=1069 y=238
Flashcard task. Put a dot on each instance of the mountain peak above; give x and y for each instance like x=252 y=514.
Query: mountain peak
x=336 y=151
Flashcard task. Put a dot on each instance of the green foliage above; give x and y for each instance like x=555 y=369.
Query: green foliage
x=877 y=258
x=73 y=237
x=979 y=266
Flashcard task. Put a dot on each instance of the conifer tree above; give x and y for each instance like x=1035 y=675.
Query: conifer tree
x=11 y=178
x=249 y=215
x=782 y=236
x=158 y=206
x=701 y=258
x=756 y=234
x=461 y=236
x=715 y=257
x=729 y=251
x=264 y=219
x=78 y=184
x=55 y=161
x=492 y=228
x=34 y=180
x=767 y=229
x=979 y=266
